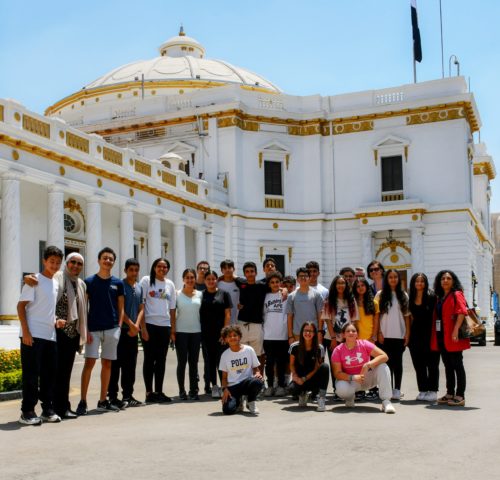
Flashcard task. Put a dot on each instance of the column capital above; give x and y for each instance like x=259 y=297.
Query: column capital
x=128 y=207
x=56 y=188
x=12 y=175
x=95 y=198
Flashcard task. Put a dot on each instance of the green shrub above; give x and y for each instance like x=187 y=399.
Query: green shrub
x=11 y=381
x=10 y=360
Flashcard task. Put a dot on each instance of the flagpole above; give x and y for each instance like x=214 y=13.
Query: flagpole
x=414 y=71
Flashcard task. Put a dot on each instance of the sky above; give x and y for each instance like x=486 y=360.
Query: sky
x=51 y=49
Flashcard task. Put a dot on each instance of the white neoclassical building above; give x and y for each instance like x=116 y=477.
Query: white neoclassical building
x=191 y=158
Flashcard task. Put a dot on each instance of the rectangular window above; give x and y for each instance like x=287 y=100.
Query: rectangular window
x=392 y=173
x=272 y=178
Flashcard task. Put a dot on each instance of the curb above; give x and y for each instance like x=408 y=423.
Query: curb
x=14 y=395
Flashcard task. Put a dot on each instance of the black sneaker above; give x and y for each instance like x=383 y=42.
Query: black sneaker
x=82 y=408
x=119 y=404
x=208 y=389
x=162 y=398
x=69 y=414
x=360 y=395
x=194 y=396
x=29 y=418
x=183 y=395
x=133 y=402
x=49 y=416
x=105 y=406
x=151 y=397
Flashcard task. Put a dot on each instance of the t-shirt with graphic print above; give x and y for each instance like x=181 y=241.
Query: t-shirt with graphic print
x=352 y=360
x=275 y=318
x=159 y=299
x=238 y=365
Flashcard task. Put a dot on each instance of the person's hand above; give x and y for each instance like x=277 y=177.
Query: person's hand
x=226 y=395
x=144 y=334
x=365 y=368
x=407 y=339
x=172 y=336
x=258 y=375
x=298 y=380
x=239 y=306
x=380 y=338
x=291 y=339
x=359 y=378
x=454 y=335
x=30 y=280
x=60 y=323
x=89 y=338
x=27 y=339
x=133 y=329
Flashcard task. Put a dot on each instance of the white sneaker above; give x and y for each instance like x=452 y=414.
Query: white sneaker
x=50 y=416
x=268 y=392
x=303 y=397
x=280 y=392
x=387 y=407
x=252 y=408
x=216 y=392
x=422 y=397
x=29 y=418
x=396 y=394
x=350 y=403
x=431 y=397
x=321 y=404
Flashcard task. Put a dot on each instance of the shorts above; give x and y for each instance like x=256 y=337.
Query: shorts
x=253 y=335
x=107 y=340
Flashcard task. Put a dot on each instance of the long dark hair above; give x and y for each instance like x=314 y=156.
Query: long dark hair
x=427 y=295
x=333 y=297
x=386 y=296
x=152 y=273
x=438 y=289
x=302 y=344
x=367 y=299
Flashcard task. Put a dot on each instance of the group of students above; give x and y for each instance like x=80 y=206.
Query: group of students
x=242 y=324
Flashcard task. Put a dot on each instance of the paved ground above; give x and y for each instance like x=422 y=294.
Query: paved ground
x=193 y=440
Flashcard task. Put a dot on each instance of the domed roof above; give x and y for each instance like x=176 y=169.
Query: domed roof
x=182 y=58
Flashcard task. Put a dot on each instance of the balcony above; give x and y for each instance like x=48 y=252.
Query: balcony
x=393 y=196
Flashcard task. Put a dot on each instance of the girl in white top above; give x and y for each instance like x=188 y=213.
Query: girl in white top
x=159 y=313
x=394 y=329
x=186 y=331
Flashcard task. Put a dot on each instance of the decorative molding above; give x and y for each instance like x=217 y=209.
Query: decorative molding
x=439 y=115
x=73 y=206
x=274 y=202
x=1 y=113
x=287 y=160
x=261 y=155
x=169 y=178
x=393 y=244
x=112 y=156
x=484 y=168
x=339 y=128
x=191 y=187
x=77 y=142
x=261 y=251
x=421 y=211
x=36 y=126
x=290 y=253
x=142 y=168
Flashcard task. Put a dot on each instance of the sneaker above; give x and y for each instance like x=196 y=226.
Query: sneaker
x=303 y=397
x=194 y=396
x=162 y=398
x=50 y=416
x=69 y=414
x=350 y=403
x=105 y=406
x=209 y=390
x=82 y=408
x=456 y=402
x=387 y=407
x=252 y=408
x=336 y=398
x=321 y=404
x=118 y=404
x=421 y=397
x=396 y=394
x=431 y=397
x=29 y=418
x=280 y=392
x=216 y=392
x=269 y=392
x=444 y=399
x=133 y=402
x=183 y=395
x=360 y=395
x=151 y=397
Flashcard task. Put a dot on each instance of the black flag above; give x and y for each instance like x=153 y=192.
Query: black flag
x=417 y=46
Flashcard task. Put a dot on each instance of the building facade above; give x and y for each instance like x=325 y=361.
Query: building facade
x=191 y=158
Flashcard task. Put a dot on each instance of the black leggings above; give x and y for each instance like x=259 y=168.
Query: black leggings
x=155 y=357
x=454 y=366
x=212 y=351
x=395 y=347
x=187 y=347
x=316 y=383
x=426 y=364
x=276 y=355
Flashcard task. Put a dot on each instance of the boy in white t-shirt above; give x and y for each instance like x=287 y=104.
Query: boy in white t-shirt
x=37 y=314
x=275 y=336
x=240 y=373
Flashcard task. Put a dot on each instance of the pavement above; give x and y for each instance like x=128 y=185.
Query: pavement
x=187 y=440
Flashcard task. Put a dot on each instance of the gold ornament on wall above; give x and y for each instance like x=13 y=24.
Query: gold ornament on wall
x=99 y=182
x=275 y=225
x=62 y=171
x=15 y=154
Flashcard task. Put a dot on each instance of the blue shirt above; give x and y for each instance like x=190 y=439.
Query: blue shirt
x=133 y=300
x=103 y=302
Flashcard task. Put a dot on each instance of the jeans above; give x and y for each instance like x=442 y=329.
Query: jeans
x=39 y=364
x=249 y=387
x=454 y=368
x=380 y=376
x=426 y=364
x=155 y=357
x=316 y=383
x=395 y=347
x=66 y=350
x=187 y=347
x=126 y=361
x=276 y=355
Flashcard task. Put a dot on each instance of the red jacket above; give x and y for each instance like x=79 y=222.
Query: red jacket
x=454 y=304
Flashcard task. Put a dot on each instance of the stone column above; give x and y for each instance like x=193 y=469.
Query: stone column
x=126 y=235
x=417 y=249
x=366 y=247
x=210 y=249
x=10 y=245
x=55 y=220
x=201 y=245
x=179 y=252
x=154 y=239
x=94 y=234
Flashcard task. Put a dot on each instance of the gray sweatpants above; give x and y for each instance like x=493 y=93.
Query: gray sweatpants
x=380 y=376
